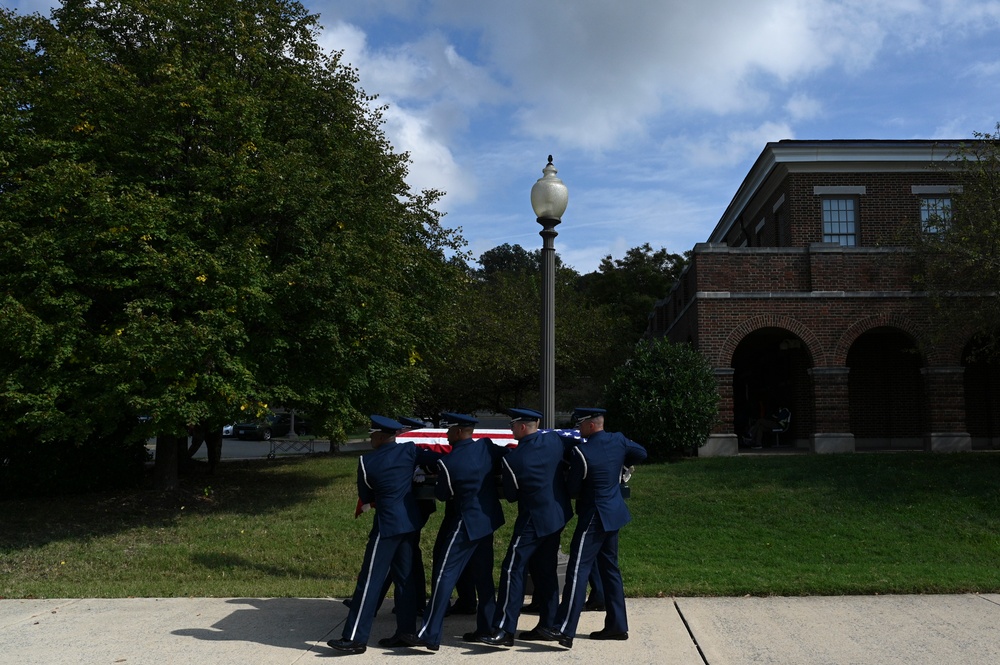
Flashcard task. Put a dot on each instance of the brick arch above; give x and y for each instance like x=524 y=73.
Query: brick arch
x=880 y=320
x=755 y=323
x=961 y=341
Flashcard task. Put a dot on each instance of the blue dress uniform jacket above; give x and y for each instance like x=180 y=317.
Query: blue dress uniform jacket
x=595 y=479
x=385 y=477
x=534 y=477
x=466 y=482
x=462 y=484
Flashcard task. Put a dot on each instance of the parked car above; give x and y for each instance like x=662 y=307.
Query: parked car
x=227 y=430
x=278 y=424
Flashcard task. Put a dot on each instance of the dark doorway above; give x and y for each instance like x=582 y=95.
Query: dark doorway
x=771 y=372
x=982 y=394
x=886 y=391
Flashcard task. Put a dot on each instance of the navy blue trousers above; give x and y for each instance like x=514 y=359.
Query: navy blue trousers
x=592 y=545
x=384 y=554
x=543 y=554
x=453 y=551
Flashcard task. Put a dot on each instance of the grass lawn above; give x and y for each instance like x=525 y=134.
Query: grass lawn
x=762 y=525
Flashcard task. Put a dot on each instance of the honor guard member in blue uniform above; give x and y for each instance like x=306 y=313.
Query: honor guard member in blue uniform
x=427 y=507
x=466 y=482
x=594 y=479
x=385 y=478
x=465 y=603
x=533 y=476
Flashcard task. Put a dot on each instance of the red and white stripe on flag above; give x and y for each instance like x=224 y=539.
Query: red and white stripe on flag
x=437 y=439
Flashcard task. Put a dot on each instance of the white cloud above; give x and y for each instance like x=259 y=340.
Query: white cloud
x=430 y=91
x=982 y=69
x=803 y=107
x=592 y=73
x=724 y=150
x=434 y=165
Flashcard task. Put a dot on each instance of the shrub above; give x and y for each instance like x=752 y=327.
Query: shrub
x=664 y=397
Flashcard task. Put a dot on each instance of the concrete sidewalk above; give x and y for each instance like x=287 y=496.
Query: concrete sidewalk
x=884 y=630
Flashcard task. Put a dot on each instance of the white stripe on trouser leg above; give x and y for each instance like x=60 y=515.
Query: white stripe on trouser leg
x=576 y=576
x=364 y=592
x=437 y=582
x=506 y=601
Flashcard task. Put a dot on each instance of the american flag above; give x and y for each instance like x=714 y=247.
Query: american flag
x=437 y=440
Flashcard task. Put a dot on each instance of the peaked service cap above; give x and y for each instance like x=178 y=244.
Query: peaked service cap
x=524 y=414
x=411 y=423
x=582 y=413
x=449 y=419
x=383 y=424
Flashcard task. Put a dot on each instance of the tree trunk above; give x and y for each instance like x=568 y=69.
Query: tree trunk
x=167 y=459
x=213 y=442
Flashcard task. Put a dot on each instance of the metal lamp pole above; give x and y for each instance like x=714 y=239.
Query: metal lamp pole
x=549 y=198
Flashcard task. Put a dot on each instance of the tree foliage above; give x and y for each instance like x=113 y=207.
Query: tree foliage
x=507 y=259
x=959 y=253
x=632 y=284
x=493 y=362
x=665 y=397
x=200 y=213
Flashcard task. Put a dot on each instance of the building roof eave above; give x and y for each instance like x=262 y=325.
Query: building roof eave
x=828 y=155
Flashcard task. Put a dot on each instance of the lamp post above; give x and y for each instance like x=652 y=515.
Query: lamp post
x=549 y=197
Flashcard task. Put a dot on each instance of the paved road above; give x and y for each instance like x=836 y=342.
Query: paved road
x=236 y=449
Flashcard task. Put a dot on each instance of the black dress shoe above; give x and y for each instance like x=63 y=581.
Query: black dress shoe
x=473 y=636
x=392 y=642
x=593 y=607
x=411 y=640
x=460 y=608
x=501 y=638
x=553 y=635
x=530 y=608
x=347 y=646
x=533 y=635
x=608 y=635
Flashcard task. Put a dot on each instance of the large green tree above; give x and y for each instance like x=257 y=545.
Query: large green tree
x=958 y=244
x=200 y=213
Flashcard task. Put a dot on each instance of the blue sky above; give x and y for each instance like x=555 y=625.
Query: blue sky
x=654 y=110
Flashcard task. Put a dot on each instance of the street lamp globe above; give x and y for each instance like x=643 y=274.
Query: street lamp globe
x=549 y=195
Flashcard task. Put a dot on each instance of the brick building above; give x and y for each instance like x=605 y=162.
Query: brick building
x=803 y=298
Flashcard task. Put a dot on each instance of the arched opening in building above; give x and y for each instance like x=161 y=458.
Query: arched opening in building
x=770 y=373
x=887 y=396
x=982 y=393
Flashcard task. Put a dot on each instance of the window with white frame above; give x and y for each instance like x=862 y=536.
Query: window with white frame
x=935 y=213
x=840 y=220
